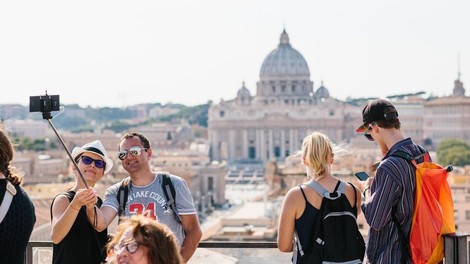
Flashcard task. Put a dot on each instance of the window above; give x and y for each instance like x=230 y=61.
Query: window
x=222 y=113
x=277 y=152
x=210 y=183
x=252 y=153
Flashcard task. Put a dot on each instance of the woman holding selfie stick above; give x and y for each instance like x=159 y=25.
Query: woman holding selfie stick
x=73 y=213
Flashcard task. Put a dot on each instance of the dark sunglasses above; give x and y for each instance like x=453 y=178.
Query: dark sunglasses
x=100 y=164
x=366 y=133
x=131 y=247
x=134 y=151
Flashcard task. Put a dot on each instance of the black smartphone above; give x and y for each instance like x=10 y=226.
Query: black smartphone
x=361 y=175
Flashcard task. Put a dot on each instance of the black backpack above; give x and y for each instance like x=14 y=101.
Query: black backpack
x=168 y=190
x=336 y=237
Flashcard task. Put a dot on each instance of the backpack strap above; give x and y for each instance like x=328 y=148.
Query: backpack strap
x=170 y=194
x=122 y=195
x=339 y=188
x=297 y=246
x=414 y=160
x=318 y=188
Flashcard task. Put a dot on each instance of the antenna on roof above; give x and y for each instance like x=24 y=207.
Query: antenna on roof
x=458 y=66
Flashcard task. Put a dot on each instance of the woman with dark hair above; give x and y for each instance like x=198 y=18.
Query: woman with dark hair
x=142 y=240
x=17 y=216
x=73 y=213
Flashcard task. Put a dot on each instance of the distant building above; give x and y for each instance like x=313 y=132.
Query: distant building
x=448 y=117
x=33 y=129
x=272 y=124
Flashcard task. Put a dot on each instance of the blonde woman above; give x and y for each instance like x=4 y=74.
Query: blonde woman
x=302 y=203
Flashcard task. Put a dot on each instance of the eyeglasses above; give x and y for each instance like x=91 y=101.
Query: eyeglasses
x=98 y=163
x=366 y=133
x=131 y=247
x=134 y=151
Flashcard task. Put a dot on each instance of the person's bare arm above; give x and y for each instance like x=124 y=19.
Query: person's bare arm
x=193 y=234
x=286 y=225
x=64 y=213
x=104 y=216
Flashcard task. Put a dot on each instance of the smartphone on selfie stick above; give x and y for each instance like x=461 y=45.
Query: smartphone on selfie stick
x=361 y=175
x=46 y=104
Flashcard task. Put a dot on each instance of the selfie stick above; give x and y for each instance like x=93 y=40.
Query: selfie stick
x=68 y=152
x=45 y=108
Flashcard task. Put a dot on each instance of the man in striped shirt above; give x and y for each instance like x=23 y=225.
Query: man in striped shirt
x=391 y=191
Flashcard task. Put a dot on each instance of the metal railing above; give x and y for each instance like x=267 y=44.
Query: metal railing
x=456 y=248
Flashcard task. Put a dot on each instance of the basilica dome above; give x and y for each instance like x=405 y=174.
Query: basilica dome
x=322 y=92
x=243 y=92
x=284 y=61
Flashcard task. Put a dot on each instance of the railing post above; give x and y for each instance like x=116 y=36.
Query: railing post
x=455 y=248
x=29 y=254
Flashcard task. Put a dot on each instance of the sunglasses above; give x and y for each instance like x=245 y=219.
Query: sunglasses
x=134 y=151
x=100 y=164
x=131 y=247
x=366 y=133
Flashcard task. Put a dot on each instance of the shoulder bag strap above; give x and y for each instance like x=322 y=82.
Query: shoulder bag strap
x=7 y=198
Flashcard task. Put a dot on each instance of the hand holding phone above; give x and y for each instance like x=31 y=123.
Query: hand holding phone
x=361 y=175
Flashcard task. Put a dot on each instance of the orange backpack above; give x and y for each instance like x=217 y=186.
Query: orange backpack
x=433 y=214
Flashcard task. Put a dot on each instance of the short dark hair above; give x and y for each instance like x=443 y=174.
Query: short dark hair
x=390 y=123
x=143 y=139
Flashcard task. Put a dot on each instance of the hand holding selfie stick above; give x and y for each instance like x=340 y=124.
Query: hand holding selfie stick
x=46 y=104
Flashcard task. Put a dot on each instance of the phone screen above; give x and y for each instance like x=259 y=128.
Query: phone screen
x=361 y=175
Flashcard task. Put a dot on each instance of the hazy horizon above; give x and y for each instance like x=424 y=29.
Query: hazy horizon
x=119 y=53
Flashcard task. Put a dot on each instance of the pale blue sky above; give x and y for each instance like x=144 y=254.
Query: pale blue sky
x=119 y=53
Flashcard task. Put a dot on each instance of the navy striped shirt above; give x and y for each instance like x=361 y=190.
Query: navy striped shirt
x=393 y=187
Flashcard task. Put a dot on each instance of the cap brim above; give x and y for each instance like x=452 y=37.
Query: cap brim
x=362 y=128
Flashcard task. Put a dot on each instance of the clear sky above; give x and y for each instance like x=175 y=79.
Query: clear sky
x=120 y=53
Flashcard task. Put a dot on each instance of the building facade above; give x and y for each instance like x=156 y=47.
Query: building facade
x=272 y=124
x=448 y=117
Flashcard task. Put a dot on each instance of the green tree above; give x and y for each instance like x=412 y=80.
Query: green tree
x=453 y=152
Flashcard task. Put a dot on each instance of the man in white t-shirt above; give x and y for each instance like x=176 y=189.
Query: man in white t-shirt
x=145 y=195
